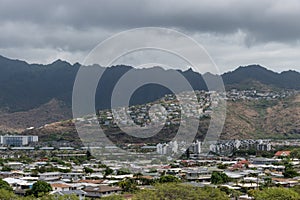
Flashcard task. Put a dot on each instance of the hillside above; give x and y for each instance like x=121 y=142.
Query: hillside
x=245 y=119
x=242 y=76
x=263 y=119
x=50 y=112
x=27 y=90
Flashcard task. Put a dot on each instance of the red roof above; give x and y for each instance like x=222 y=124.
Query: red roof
x=282 y=153
x=240 y=164
x=244 y=162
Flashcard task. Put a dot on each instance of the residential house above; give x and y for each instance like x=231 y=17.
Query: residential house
x=101 y=191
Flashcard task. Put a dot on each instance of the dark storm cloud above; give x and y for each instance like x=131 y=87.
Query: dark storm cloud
x=70 y=29
x=261 y=20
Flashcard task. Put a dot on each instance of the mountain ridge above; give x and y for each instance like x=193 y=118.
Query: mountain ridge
x=26 y=87
x=20 y=81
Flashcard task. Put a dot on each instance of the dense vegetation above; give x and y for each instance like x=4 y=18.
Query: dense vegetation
x=275 y=193
x=178 y=192
x=163 y=191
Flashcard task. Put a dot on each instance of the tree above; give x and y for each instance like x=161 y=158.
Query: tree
x=289 y=172
x=212 y=193
x=60 y=197
x=4 y=185
x=178 y=192
x=222 y=166
x=235 y=194
x=275 y=193
x=7 y=195
x=40 y=188
x=112 y=197
x=123 y=171
x=108 y=171
x=232 y=193
x=219 y=178
x=6 y=168
x=168 y=179
x=128 y=185
x=89 y=154
x=296 y=188
x=138 y=175
x=88 y=170
x=268 y=182
x=295 y=153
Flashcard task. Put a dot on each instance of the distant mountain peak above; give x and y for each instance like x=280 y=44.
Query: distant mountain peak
x=242 y=76
x=190 y=69
x=209 y=74
x=290 y=72
x=59 y=61
x=252 y=67
x=5 y=59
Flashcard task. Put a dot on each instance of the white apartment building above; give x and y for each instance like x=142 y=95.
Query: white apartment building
x=18 y=140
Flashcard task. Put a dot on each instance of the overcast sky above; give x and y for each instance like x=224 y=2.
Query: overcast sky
x=233 y=32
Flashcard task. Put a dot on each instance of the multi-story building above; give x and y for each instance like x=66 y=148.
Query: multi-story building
x=18 y=140
x=167 y=148
x=195 y=148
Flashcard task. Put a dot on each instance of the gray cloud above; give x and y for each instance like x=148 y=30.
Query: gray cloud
x=77 y=26
x=262 y=20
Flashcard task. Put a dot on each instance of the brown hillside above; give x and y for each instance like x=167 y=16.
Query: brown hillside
x=245 y=119
x=50 y=112
x=263 y=119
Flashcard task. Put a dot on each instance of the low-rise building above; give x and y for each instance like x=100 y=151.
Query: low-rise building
x=50 y=176
x=101 y=191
